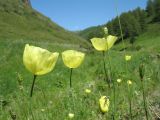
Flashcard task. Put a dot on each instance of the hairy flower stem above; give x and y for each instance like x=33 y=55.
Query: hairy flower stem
x=105 y=71
x=71 y=77
x=34 y=78
x=121 y=31
x=114 y=99
x=130 y=102
x=130 y=109
x=114 y=89
x=144 y=100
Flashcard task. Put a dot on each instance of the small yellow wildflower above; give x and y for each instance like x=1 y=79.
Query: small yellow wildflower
x=42 y=110
x=119 y=80
x=129 y=82
x=71 y=115
x=87 y=91
x=128 y=57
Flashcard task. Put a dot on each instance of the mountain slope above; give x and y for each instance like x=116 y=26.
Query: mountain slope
x=91 y=32
x=19 y=21
x=151 y=38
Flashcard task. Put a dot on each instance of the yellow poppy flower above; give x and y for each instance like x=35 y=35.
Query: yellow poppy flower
x=72 y=58
x=87 y=91
x=71 y=115
x=104 y=104
x=39 y=61
x=128 y=57
x=103 y=44
x=129 y=82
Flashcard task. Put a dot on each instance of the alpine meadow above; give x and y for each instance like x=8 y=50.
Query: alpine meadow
x=109 y=71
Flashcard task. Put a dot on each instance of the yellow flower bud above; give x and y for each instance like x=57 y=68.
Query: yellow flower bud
x=39 y=61
x=104 y=104
x=128 y=57
x=129 y=82
x=87 y=91
x=119 y=80
x=71 y=115
x=72 y=58
x=42 y=110
x=105 y=30
x=103 y=44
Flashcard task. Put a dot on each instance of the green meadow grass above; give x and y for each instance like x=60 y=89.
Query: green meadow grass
x=149 y=40
x=53 y=99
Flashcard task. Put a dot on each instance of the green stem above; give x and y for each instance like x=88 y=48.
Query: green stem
x=110 y=80
x=71 y=78
x=144 y=101
x=121 y=31
x=105 y=71
x=120 y=26
x=31 y=111
x=130 y=109
x=130 y=102
x=114 y=101
x=114 y=89
x=1 y=104
x=34 y=78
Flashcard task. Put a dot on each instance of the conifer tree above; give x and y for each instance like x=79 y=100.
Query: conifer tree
x=157 y=10
x=150 y=8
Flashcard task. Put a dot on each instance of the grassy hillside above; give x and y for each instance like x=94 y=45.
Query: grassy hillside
x=91 y=32
x=149 y=40
x=19 y=21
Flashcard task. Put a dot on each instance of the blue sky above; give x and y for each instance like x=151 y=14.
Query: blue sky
x=80 y=14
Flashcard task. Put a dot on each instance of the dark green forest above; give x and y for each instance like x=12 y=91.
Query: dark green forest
x=133 y=23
